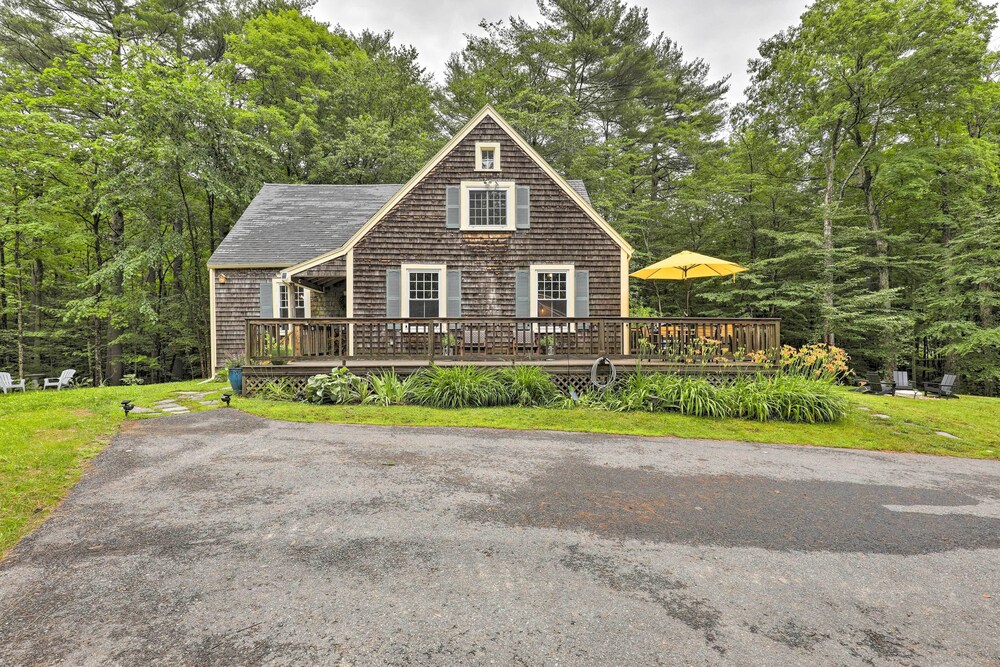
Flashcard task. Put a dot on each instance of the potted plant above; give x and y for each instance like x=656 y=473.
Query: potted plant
x=548 y=343
x=234 y=369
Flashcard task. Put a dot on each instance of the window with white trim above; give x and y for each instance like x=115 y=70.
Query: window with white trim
x=488 y=206
x=424 y=293
x=487 y=156
x=553 y=291
x=292 y=301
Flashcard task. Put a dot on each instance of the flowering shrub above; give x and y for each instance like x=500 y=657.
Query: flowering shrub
x=815 y=360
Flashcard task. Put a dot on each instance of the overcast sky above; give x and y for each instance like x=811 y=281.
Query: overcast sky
x=725 y=33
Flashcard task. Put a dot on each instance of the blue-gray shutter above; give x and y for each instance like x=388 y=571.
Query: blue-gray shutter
x=453 y=207
x=522 y=218
x=266 y=300
x=522 y=293
x=454 y=293
x=582 y=293
x=393 y=307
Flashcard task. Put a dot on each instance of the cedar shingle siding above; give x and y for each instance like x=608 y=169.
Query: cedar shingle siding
x=235 y=301
x=414 y=231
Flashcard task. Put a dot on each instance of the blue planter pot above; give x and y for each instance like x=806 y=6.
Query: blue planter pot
x=236 y=380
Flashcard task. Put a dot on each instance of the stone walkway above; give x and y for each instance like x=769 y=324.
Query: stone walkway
x=172 y=406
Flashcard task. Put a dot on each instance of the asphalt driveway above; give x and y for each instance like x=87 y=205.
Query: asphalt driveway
x=221 y=538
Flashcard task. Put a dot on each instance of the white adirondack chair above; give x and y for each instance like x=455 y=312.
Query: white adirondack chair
x=7 y=382
x=65 y=379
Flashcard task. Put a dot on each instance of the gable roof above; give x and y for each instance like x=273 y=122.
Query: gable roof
x=488 y=111
x=290 y=224
x=287 y=224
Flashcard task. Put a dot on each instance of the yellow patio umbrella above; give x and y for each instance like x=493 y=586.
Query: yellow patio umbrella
x=687 y=264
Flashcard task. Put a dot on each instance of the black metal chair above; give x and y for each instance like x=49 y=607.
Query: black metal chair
x=877 y=386
x=943 y=389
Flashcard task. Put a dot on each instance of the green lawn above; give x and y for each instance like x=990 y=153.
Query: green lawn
x=47 y=438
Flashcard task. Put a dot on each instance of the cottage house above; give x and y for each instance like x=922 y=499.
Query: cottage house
x=487 y=229
x=486 y=255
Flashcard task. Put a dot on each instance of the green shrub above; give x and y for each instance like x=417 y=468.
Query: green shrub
x=799 y=399
x=790 y=398
x=749 y=398
x=339 y=386
x=457 y=387
x=387 y=388
x=526 y=386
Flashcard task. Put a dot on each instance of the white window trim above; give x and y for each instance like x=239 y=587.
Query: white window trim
x=511 y=207
x=480 y=145
x=404 y=288
x=569 y=270
x=276 y=298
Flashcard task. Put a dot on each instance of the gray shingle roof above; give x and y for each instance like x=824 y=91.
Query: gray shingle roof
x=288 y=224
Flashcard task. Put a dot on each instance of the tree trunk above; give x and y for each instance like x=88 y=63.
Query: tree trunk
x=882 y=257
x=3 y=286
x=96 y=323
x=828 y=261
x=115 y=368
x=19 y=287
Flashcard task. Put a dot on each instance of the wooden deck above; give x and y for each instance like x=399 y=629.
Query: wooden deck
x=506 y=339
x=567 y=348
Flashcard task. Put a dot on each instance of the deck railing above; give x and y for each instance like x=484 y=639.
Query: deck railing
x=671 y=339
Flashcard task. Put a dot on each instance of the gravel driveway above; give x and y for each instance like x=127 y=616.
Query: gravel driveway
x=222 y=538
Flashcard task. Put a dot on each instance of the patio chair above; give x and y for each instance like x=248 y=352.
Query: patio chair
x=877 y=386
x=943 y=389
x=65 y=379
x=7 y=382
x=902 y=381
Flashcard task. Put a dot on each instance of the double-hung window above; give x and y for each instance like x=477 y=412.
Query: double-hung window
x=488 y=206
x=424 y=293
x=552 y=295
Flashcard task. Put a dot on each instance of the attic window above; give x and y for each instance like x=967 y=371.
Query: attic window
x=487 y=156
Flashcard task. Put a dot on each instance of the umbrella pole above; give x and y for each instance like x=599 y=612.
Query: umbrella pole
x=687 y=295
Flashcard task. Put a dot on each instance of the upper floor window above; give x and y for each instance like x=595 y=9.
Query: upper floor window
x=487 y=156
x=487 y=206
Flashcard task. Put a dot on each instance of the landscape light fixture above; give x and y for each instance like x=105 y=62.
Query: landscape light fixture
x=127 y=407
x=226 y=398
